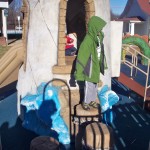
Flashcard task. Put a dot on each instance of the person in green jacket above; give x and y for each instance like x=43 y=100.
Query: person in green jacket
x=91 y=61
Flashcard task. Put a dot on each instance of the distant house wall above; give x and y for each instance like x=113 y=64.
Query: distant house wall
x=142 y=28
x=125 y=27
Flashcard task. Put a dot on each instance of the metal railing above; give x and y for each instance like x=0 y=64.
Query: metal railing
x=134 y=64
x=14 y=31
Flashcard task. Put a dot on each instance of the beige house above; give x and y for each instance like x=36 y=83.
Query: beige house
x=136 y=17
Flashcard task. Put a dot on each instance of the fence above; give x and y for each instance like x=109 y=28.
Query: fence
x=133 y=64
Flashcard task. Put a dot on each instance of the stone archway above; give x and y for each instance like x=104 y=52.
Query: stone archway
x=89 y=11
x=25 y=11
x=61 y=59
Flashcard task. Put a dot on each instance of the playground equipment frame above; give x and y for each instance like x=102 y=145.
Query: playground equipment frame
x=134 y=64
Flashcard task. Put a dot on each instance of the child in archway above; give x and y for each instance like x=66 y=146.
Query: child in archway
x=70 y=49
x=91 y=61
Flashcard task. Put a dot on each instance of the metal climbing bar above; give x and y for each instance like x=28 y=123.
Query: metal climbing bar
x=134 y=53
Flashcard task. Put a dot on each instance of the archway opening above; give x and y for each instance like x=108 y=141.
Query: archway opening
x=73 y=17
x=76 y=19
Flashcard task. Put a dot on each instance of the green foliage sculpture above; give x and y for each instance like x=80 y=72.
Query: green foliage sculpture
x=141 y=43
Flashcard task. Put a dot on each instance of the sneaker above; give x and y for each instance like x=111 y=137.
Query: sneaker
x=73 y=53
x=85 y=106
x=94 y=104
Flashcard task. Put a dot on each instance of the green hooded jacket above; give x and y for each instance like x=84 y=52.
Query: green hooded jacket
x=87 y=62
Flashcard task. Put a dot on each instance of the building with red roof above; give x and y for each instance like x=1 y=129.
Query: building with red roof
x=136 y=17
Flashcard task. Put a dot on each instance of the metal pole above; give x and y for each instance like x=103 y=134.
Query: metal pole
x=19 y=22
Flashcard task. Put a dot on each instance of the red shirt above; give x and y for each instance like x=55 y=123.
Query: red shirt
x=69 y=42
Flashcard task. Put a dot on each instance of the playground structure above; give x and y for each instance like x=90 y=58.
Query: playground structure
x=42 y=60
x=43 y=56
x=139 y=51
x=10 y=64
x=43 y=53
x=141 y=43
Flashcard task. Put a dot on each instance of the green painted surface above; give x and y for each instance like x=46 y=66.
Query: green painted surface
x=142 y=44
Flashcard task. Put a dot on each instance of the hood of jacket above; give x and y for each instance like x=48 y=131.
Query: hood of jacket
x=95 y=25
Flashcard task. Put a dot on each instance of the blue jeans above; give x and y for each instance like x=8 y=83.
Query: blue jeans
x=70 y=51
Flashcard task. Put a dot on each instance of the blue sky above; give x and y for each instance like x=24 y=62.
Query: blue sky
x=117 y=6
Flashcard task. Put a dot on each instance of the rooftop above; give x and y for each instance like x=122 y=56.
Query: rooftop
x=143 y=4
x=131 y=19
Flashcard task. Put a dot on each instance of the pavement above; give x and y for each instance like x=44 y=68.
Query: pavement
x=131 y=125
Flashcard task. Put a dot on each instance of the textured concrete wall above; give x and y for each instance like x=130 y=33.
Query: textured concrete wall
x=102 y=9
x=41 y=45
x=116 y=47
